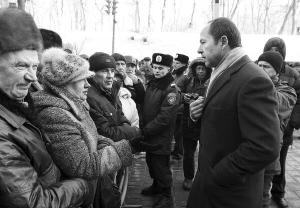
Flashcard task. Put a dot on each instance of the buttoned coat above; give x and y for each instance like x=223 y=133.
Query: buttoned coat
x=239 y=138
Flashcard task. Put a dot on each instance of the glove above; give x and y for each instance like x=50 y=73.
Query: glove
x=138 y=145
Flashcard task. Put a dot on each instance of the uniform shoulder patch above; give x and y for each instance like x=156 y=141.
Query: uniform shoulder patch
x=171 y=98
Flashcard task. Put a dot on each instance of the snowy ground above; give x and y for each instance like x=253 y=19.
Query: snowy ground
x=171 y=43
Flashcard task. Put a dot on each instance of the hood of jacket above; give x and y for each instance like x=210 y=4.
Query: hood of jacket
x=276 y=42
x=192 y=69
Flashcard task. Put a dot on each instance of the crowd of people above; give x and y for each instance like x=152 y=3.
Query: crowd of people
x=69 y=122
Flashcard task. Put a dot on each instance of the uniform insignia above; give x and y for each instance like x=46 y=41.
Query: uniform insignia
x=171 y=98
x=158 y=58
x=107 y=60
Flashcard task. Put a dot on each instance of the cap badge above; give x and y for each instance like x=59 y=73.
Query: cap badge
x=107 y=60
x=158 y=58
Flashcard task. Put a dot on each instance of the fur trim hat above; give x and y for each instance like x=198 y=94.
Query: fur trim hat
x=118 y=57
x=182 y=58
x=61 y=67
x=100 y=61
x=274 y=58
x=278 y=43
x=162 y=59
x=196 y=62
x=51 y=39
x=130 y=60
x=18 y=31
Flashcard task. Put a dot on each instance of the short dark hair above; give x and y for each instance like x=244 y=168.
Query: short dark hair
x=224 y=26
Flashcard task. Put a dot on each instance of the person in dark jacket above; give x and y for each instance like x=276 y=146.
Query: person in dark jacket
x=240 y=129
x=180 y=65
x=271 y=62
x=28 y=175
x=291 y=76
x=193 y=87
x=132 y=83
x=105 y=107
x=158 y=122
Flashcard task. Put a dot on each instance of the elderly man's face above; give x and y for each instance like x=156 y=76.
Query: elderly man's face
x=209 y=50
x=17 y=72
x=104 y=78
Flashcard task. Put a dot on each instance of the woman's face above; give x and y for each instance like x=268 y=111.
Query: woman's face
x=79 y=88
x=201 y=71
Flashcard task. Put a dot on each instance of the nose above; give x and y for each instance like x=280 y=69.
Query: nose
x=200 y=50
x=86 y=84
x=31 y=75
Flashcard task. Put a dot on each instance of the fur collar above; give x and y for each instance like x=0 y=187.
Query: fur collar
x=162 y=83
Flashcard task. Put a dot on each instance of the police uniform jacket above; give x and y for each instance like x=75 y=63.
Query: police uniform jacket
x=159 y=112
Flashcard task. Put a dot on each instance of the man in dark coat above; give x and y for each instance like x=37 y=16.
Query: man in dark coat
x=291 y=76
x=240 y=130
x=105 y=107
x=158 y=122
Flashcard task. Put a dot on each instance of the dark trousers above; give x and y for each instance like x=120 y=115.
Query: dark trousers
x=267 y=186
x=189 y=148
x=178 y=150
x=160 y=169
x=279 y=182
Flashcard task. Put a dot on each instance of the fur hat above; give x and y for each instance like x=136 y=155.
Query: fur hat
x=182 y=58
x=61 y=67
x=274 y=58
x=162 y=59
x=197 y=62
x=118 y=57
x=130 y=60
x=278 y=43
x=50 y=39
x=100 y=61
x=18 y=31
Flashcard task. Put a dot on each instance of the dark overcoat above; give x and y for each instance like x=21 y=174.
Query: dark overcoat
x=239 y=138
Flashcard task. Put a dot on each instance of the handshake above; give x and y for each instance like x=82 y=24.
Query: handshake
x=138 y=144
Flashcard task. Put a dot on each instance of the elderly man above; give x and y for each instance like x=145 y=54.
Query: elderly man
x=28 y=176
x=240 y=130
x=158 y=123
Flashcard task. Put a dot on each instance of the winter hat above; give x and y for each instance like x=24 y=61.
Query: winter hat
x=61 y=67
x=276 y=42
x=18 y=31
x=182 y=58
x=50 y=39
x=118 y=57
x=147 y=58
x=272 y=57
x=100 y=61
x=162 y=59
x=130 y=60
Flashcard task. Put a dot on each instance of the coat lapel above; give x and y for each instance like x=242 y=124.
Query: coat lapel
x=225 y=77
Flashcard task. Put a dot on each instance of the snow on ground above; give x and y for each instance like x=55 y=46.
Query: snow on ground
x=166 y=42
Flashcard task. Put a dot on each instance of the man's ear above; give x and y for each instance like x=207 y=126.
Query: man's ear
x=224 y=41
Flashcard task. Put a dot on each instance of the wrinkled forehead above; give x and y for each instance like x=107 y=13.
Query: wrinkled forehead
x=29 y=57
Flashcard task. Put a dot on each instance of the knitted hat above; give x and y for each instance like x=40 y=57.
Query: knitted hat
x=162 y=59
x=182 y=58
x=118 y=57
x=18 y=31
x=130 y=60
x=50 y=39
x=100 y=61
x=61 y=67
x=272 y=57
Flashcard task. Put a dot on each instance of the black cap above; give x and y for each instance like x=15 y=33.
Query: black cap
x=274 y=58
x=182 y=58
x=118 y=57
x=100 y=61
x=51 y=39
x=162 y=59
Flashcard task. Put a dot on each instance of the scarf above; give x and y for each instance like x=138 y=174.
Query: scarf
x=228 y=60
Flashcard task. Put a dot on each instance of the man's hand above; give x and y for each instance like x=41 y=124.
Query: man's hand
x=187 y=97
x=196 y=108
x=134 y=78
x=138 y=145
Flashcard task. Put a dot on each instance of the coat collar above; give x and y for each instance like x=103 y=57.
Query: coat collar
x=225 y=77
x=13 y=119
x=163 y=83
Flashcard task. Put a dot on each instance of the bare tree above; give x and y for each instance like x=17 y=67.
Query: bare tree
x=295 y=5
x=267 y=8
x=149 y=15
x=282 y=28
x=101 y=10
x=192 y=16
x=233 y=8
x=137 y=16
x=163 y=15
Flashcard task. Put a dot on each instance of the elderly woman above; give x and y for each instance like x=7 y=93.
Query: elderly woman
x=62 y=114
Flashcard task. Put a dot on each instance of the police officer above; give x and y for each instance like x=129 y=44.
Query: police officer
x=158 y=123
